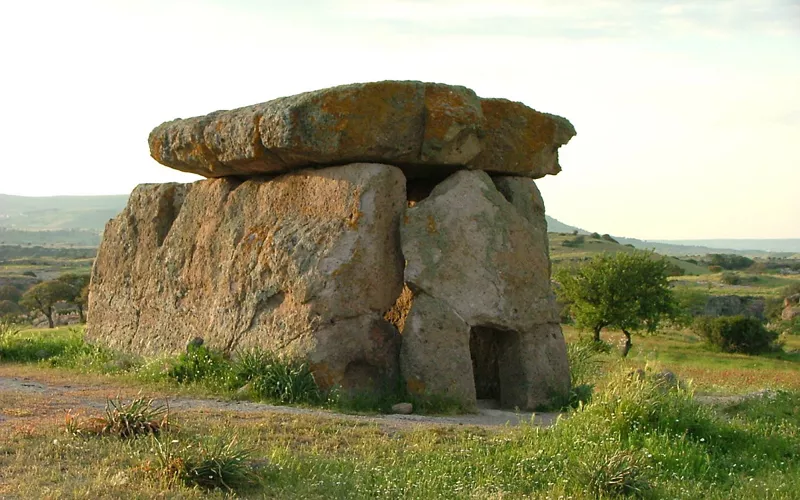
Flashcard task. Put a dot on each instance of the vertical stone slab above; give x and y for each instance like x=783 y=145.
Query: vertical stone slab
x=434 y=356
x=481 y=257
x=305 y=264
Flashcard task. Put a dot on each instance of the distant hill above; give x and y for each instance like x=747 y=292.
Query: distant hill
x=80 y=220
x=556 y=226
x=791 y=245
x=53 y=213
x=673 y=248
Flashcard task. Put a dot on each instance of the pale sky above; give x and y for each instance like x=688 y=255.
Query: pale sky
x=688 y=113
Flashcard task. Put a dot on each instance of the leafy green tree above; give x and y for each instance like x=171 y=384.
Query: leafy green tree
x=79 y=286
x=10 y=293
x=625 y=291
x=44 y=296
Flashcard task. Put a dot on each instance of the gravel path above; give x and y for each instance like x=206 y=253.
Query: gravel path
x=67 y=396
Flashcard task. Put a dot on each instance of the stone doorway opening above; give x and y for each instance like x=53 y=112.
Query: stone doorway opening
x=496 y=367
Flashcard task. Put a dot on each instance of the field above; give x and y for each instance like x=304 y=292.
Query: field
x=730 y=427
x=712 y=437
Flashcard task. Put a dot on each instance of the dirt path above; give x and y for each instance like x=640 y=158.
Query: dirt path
x=43 y=395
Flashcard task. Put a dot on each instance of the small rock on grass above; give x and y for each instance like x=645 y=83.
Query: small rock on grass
x=403 y=409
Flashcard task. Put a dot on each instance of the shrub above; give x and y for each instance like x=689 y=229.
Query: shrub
x=595 y=236
x=10 y=309
x=715 y=269
x=731 y=261
x=690 y=304
x=730 y=279
x=608 y=238
x=736 y=334
x=574 y=242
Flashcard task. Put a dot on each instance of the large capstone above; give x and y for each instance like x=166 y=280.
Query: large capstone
x=426 y=129
x=305 y=264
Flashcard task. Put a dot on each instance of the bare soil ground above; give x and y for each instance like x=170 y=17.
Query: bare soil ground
x=43 y=396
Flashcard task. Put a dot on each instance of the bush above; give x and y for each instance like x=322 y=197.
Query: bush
x=736 y=334
x=731 y=261
x=731 y=279
x=608 y=238
x=574 y=242
x=715 y=269
x=595 y=236
x=690 y=304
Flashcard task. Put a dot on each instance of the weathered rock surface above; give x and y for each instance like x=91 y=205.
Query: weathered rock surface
x=305 y=264
x=477 y=264
x=733 y=305
x=791 y=307
x=427 y=129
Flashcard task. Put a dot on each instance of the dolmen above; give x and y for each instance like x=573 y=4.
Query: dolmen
x=386 y=233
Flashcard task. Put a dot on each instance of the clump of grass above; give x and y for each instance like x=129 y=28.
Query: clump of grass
x=198 y=364
x=619 y=474
x=123 y=420
x=213 y=464
x=584 y=368
x=271 y=377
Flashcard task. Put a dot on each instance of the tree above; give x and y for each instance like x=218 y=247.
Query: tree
x=44 y=296
x=10 y=293
x=79 y=286
x=626 y=291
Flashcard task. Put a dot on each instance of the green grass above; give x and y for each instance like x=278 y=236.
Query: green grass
x=761 y=285
x=250 y=375
x=636 y=437
x=688 y=356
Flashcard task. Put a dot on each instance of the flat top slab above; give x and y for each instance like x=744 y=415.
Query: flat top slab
x=427 y=129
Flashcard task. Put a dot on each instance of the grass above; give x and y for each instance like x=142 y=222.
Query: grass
x=251 y=375
x=758 y=285
x=636 y=437
x=713 y=372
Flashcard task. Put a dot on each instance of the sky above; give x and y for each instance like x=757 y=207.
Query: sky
x=687 y=113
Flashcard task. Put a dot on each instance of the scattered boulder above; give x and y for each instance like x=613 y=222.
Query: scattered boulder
x=424 y=128
x=403 y=408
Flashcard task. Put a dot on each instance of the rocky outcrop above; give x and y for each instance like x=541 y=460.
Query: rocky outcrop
x=426 y=129
x=305 y=265
x=733 y=305
x=791 y=307
x=479 y=264
x=376 y=231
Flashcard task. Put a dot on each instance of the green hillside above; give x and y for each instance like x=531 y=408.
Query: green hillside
x=566 y=248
